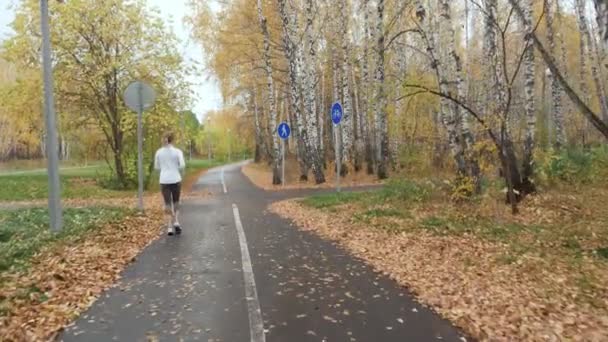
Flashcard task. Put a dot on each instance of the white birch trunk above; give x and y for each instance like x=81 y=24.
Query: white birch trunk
x=380 y=117
x=276 y=158
x=310 y=81
x=556 y=91
x=601 y=10
x=321 y=116
x=587 y=41
x=365 y=127
x=465 y=136
x=530 y=107
x=347 y=119
x=599 y=77
x=294 y=58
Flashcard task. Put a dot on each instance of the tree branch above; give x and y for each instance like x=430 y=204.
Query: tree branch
x=552 y=64
x=473 y=113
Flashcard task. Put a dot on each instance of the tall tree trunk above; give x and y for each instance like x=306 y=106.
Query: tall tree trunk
x=321 y=118
x=380 y=117
x=556 y=90
x=601 y=9
x=530 y=108
x=560 y=35
x=347 y=118
x=467 y=55
x=399 y=62
x=592 y=117
x=461 y=117
x=295 y=65
x=587 y=40
x=507 y=155
x=259 y=144
x=599 y=78
x=310 y=105
x=357 y=118
x=365 y=126
x=435 y=51
x=276 y=162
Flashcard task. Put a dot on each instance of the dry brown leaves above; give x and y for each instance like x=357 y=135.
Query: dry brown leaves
x=261 y=176
x=71 y=276
x=153 y=201
x=531 y=300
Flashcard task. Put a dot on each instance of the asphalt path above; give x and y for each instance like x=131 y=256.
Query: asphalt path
x=239 y=273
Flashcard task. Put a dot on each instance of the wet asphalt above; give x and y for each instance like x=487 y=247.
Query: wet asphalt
x=191 y=287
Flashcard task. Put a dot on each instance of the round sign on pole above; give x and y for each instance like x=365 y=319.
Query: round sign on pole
x=336 y=113
x=139 y=96
x=283 y=130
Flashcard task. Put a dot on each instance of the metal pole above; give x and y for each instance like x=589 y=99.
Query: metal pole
x=338 y=159
x=283 y=162
x=140 y=164
x=55 y=214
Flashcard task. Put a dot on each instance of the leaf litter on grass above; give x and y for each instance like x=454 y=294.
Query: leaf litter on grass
x=65 y=278
x=534 y=277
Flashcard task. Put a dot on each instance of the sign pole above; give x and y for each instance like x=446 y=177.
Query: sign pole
x=338 y=155
x=55 y=214
x=283 y=162
x=139 y=96
x=140 y=166
x=283 y=131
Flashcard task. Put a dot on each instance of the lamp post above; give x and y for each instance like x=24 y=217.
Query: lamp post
x=55 y=214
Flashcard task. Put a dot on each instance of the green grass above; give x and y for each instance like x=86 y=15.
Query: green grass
x=24 y=232
x=405 y=191
x=333 y=199
x=193 y=166
x=400 y=190
x=75 y=182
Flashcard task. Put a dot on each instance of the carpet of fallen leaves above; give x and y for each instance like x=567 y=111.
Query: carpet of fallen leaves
x=66 y=278
x=462 y=278
x=261 y=176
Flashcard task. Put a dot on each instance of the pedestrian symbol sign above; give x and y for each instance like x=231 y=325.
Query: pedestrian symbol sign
x=283 y=130
x=336 y=113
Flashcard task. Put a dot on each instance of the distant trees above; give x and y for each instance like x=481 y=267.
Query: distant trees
x=99 y=47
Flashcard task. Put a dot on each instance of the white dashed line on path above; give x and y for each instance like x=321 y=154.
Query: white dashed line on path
x=223 y=182
x=256 y=323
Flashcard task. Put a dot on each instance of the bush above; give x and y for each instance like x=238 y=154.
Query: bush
x=576 y=165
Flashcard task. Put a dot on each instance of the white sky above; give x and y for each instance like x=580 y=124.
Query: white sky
x=208 y=96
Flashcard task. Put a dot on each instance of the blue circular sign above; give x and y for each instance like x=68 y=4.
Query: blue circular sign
x=283 y=130
x=336 y=113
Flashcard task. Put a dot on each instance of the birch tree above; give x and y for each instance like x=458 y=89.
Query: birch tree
x=365 y=104
x=601 y=9
x=529 y=83
x=347 y=123
x=380 y=119
x=556 y=91
x=276 y=174
x=293 y=55
x=462 y=132
x=585 y=50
